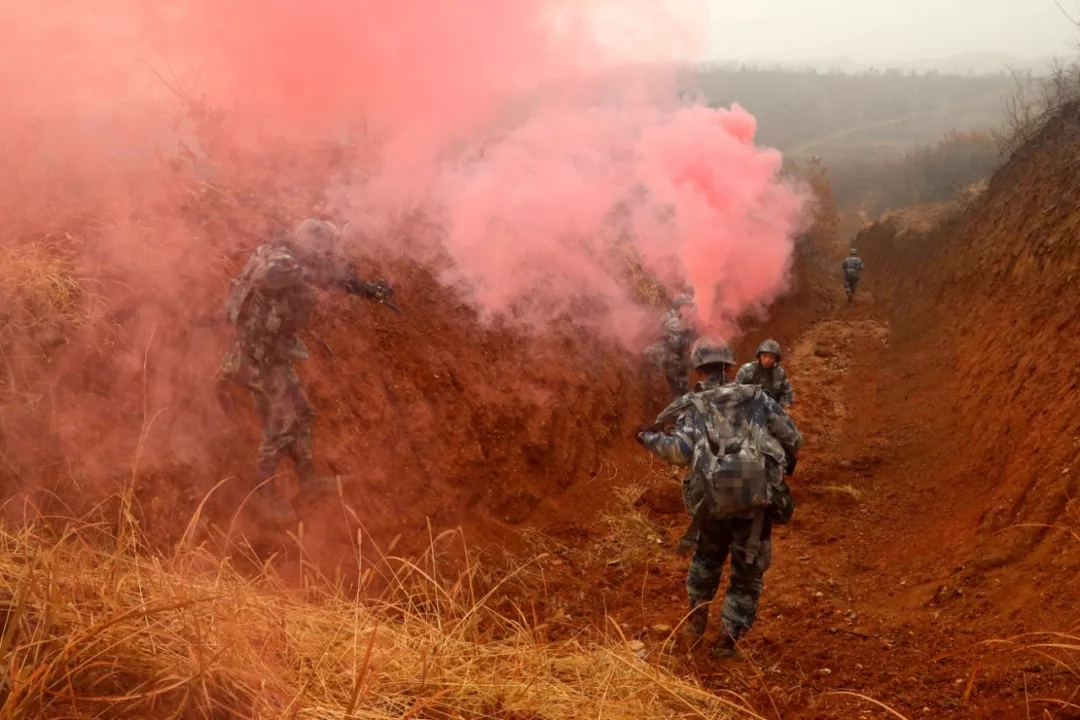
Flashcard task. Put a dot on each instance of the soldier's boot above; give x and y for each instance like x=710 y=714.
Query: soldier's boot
x=696 y=624
x=270 y=509
x=726 y=646
x=313 y=487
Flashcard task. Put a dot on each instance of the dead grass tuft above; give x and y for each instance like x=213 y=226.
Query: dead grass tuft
x=631 y=537
x=93 y=627
x=38 y=283
x=1035 y=104
x=848 y=491
x=922 y=219
x=647 y=288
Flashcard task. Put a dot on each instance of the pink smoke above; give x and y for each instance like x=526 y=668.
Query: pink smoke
x=734 y=221
x=548 y=213
x=581 y=165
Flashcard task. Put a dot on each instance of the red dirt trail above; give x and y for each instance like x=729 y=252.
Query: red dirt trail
x=935 y=509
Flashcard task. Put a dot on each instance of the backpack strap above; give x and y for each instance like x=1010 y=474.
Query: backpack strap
x=753 y=543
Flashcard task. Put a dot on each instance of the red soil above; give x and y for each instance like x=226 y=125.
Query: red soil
x=943 y=446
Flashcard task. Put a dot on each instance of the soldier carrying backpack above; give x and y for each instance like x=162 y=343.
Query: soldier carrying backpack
x=269 y=303
x=766 y=373
x=737 y=444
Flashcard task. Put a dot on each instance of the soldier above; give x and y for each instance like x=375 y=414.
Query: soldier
x=766 y=373
x=670 y=352
x=738 y=444
x=269 y=303
x=852 y=267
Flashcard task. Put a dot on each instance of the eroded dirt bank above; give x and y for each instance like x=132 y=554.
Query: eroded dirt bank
x=936 y=511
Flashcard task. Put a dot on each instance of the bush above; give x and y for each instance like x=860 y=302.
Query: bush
x=929 y=174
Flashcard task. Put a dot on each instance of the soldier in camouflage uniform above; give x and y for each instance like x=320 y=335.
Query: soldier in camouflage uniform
x=766 y=373
x=750 y=416
x=852 y=267
x=270 y=302
x=670 y=352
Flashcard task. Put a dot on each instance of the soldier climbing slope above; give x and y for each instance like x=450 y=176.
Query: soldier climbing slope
x=766 y=373
x=670 y=352
x=269 y=303
x=737 y=444
x=852 y=267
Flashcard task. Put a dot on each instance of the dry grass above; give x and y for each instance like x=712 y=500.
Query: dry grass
x=1034 y=105
x=921 y=219
x=890 y=712
x=39 y=275
x=645 y=286
x=38 y=283
x=1062 y=653
x=89 y=630
x=848 y=491
x=631 y=536
x=42 y=301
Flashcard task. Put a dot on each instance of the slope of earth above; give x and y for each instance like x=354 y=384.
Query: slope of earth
x=935 y=541
x=431 y=420
x=984 y=312
x=850 y=604
x=963 y=437
x=962 y=442
x=425 y=415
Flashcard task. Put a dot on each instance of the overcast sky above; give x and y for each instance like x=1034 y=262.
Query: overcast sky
x=879 y=30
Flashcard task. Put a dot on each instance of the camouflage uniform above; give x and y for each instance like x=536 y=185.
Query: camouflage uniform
x=852 y=267
x=670 y=352
x=772 y=380
x=270 y=302
x=720 y=537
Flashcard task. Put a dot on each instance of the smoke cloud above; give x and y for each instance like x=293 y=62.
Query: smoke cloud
x=543 y=140
x=531 y=153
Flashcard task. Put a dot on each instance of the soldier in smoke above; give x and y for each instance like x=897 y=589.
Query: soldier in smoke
x=852 y=267
x=269 y=303
x=671 y=351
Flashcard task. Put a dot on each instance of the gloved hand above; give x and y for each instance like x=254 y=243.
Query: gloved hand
x=379 y=290
x=639 y=434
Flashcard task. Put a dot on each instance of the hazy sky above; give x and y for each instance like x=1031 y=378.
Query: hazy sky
x=876 y=30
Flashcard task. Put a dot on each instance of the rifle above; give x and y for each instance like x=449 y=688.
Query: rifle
x=378 y=290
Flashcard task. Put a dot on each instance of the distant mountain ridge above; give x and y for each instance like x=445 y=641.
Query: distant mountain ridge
x=987 y=63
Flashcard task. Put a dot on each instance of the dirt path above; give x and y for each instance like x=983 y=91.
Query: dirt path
x=853 y=603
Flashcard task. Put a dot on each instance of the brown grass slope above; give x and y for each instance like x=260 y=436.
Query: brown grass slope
x=91 y=628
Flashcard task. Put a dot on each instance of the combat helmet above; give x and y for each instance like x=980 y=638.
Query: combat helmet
x=684 y=298
x=707 y=351
x=853 y=252
x=770 y=346
x=317 y=237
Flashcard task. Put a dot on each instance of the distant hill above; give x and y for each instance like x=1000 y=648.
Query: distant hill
x=989 y=63
x=872 y=115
